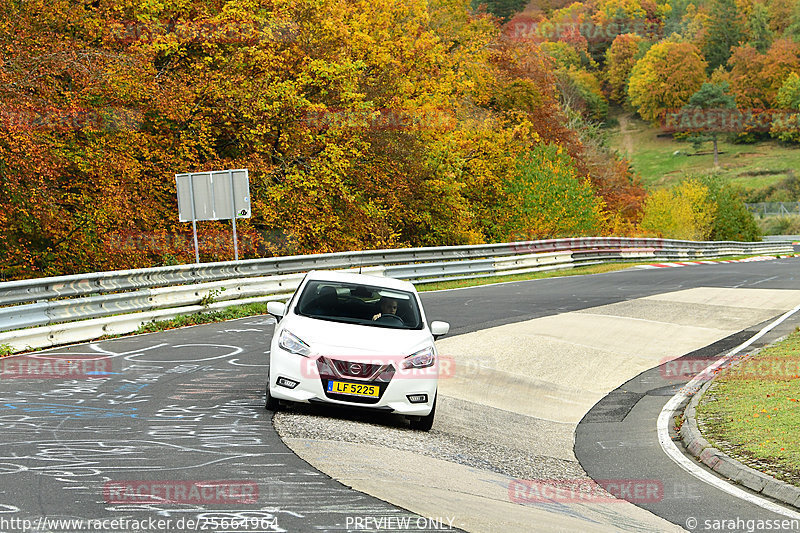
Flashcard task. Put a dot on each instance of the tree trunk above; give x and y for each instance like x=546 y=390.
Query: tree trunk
x=716 y=153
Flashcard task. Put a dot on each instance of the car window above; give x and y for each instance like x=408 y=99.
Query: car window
x=359 y=304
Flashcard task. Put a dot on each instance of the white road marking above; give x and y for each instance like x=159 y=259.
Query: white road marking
x=672 y=451
x=236 y=362
x=236 y=351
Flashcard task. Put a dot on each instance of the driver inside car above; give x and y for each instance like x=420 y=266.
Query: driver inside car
x=388 y=307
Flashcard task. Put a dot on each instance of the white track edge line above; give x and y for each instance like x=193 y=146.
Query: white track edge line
x=672 y=451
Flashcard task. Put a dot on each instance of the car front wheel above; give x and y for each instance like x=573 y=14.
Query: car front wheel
x=424 y=423
x=271 y=404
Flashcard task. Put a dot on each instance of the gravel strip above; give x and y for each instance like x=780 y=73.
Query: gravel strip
x=483 y=450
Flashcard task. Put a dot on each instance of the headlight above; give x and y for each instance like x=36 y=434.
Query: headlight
x=293 y=344
x=421 y=359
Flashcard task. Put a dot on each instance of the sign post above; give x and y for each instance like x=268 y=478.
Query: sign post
x=194 y=222
x=233 y=220
x=218 y=195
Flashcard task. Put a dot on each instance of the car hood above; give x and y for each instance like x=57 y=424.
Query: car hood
x=336 y=338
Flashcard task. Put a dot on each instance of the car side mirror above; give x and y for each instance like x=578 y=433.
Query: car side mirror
x=439 y=328
x=276 y=309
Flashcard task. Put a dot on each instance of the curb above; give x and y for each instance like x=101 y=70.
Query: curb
x=728 y=467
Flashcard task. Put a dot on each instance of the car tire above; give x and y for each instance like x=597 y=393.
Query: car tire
x=424 y=423
x=271 y=404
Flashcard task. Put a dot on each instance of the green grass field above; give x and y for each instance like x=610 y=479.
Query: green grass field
x=662 y=161
x=751 y=411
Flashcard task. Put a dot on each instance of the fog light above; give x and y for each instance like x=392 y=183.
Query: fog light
x=418 y=398
x=286 y=382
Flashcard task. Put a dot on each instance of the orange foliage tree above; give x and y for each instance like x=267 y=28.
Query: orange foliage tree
x=364 y=124
x=756 y=78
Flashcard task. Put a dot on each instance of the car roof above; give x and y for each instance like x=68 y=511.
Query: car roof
x=364 y=279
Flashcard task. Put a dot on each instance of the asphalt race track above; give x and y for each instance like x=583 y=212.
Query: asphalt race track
x=617 y=440
x=182 y=411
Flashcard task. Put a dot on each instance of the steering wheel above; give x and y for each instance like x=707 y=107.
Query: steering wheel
x=390 y=318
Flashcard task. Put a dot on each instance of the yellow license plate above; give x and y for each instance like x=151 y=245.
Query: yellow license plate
x=355 y=389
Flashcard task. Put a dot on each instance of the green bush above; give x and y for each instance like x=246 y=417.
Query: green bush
x=732 y=221
x=550 y=199
x=699 y=209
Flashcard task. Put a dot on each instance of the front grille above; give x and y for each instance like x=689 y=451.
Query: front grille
x=355 y=369
x=354 y=372
x=360 y=371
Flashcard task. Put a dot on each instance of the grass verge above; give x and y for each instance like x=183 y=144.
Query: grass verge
x=229 y=313
x=751 y=411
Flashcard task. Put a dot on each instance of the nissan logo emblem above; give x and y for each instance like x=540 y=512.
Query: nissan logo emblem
x=355 y=368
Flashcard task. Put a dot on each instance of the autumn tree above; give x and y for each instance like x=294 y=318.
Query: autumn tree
x=618 y=17
x=581 y=92
x=780 y=15
x=789 y=93
x=732 y=220
x=550 y=199
x=502 y=9
x=564 y=55
x=756 y=78
x=676 y=20
x=620 y=59
x=787 y=127
x=684 y=211
x=665 y=78
x=364 y=124
x=792 y=30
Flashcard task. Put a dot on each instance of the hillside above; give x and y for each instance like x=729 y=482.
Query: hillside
x=388 y=123
x=662 y=160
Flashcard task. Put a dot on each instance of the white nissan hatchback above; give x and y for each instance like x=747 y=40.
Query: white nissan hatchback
x=355 y=340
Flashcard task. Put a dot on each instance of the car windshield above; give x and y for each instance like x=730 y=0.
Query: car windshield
x=359 y=304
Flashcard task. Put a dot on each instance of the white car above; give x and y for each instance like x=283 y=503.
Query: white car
x=355 y=340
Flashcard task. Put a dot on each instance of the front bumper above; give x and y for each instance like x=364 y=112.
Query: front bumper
x=312 y=374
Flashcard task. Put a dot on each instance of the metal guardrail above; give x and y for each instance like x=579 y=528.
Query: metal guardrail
x=774 y=238
x=48 y=311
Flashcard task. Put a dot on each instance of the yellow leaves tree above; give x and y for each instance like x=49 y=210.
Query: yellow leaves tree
x=620 y=59
x=685 y=211
x=665 y=78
